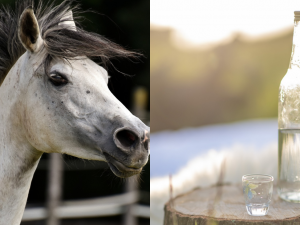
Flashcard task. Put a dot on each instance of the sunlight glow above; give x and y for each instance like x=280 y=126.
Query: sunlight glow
x=200 y=21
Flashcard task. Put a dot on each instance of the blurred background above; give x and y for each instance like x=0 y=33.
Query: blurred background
x=215 y=69
x=88 y=192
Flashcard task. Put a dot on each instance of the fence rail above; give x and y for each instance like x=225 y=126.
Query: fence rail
x=97 y=207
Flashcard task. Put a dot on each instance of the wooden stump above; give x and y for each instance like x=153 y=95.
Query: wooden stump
x=224 y=205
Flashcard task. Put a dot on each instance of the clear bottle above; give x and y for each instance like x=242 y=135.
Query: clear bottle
x=289 y=124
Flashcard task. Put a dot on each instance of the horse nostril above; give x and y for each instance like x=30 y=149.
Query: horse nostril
x=126 y=138
x=146 y=145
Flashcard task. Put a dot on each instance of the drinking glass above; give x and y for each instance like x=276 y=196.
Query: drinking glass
x=258 y=189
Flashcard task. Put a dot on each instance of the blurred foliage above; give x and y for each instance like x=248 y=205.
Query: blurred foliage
x=233 y=81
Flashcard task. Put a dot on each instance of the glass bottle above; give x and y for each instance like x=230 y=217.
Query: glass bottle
x=289 y=124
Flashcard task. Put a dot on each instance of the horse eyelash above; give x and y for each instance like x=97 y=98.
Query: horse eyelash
x=58 y=73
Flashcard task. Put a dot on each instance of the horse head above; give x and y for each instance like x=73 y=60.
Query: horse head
x=66 y=103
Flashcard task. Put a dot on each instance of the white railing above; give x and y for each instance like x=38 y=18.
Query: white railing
x=97 y=207
x=123 y=204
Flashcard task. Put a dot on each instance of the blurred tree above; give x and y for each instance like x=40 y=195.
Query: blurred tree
x=234 y=81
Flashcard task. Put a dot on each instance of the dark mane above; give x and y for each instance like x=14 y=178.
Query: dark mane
x=58 y=40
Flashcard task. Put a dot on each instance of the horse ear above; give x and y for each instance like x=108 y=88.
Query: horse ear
x=29 y=31
x=68 y=21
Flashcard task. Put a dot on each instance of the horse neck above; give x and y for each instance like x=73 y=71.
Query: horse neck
x=18 y=159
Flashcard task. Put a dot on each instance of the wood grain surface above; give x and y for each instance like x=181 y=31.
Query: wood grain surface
x=226 y=205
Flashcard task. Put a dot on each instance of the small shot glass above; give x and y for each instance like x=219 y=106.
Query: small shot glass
x=258 y=189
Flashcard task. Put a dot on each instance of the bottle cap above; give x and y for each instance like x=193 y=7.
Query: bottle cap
x=297 y=15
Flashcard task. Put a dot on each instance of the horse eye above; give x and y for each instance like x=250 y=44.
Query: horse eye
x=57 y=79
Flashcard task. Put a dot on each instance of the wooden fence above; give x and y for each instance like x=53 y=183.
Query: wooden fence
x=97 y=207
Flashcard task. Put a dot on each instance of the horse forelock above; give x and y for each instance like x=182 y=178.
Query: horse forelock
x=59 y=40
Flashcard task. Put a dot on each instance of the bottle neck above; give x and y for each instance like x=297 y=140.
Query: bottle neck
x=295 y=58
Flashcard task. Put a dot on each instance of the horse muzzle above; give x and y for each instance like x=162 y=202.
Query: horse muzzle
x=132 y=153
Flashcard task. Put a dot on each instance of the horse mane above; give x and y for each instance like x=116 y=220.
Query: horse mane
x=59 y=41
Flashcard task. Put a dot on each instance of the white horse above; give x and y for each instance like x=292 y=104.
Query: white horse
x=54 y=98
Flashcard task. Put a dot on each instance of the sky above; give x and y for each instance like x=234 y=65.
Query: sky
x=200 y=22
